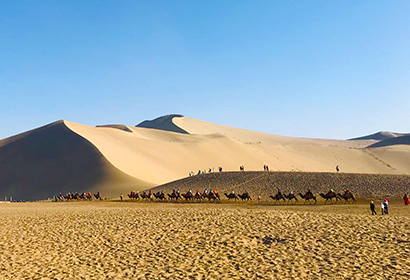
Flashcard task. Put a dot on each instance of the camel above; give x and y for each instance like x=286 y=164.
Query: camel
x=160 y=195
x=278 y=197
x=145 y=195
x=308 y=197
x=244 y=196
x=232 y=196
x=199 y=196
x=175 y=196
x=211 y=196
x=330 y=196
x=290 y=197
x=188 y=196
x=346 y=196
x=131 y=195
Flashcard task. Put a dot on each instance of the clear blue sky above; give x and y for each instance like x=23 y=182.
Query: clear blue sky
x=323 y=69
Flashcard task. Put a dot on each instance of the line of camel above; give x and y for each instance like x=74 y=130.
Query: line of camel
x=308 y=197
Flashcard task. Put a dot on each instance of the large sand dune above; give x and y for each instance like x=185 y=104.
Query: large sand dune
x=113 y=159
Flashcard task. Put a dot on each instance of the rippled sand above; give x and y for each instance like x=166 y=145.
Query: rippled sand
x=113 y=240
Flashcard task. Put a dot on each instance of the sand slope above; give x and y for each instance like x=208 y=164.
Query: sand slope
x=67 y=156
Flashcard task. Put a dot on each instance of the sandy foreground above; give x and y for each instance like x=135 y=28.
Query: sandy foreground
x=114 y=240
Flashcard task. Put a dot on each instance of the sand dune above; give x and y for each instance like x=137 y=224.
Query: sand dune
x=66 y=156
x=53 y=159
x=382 y=135
x=400 y=140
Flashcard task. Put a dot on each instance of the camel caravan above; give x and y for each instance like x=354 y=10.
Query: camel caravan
x=77 y=197
x=309 y=197
x=213 y=196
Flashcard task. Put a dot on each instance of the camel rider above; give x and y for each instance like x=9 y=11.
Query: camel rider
x=233 y=192
x=291 y=192
x=309 y=193
x=197 y=192
x=189 y=192
x=246 y=191
x=347 y=191
x=279 y=192
x=210 y=191
x=205 y=192
x=178 y=191
x=215 y=192
x=330 y=192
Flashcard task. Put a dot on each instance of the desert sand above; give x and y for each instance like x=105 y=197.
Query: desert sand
x=124 y=240
x=69 y=157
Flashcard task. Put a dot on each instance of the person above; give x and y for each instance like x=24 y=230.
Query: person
x=372 y=208
x=121 y=197
x=347 y=191
x=259 y=199
x=386 y=206
x=233 y=192
x=330 y=192
x=337 y=168
x=309 y=193
x=220 y=169
x=382 y=207
x=215 y=192
x=406 y=199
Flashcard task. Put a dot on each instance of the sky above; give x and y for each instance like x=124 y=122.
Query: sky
x=317 y=69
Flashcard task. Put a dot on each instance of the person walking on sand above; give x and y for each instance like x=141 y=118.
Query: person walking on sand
x=386 y=206
x=382 y=207
x=259 y=199
x=337 y=168
x=372 y=207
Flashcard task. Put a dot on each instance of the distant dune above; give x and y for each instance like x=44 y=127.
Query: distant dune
x=401 y=140
x=114 y=159
x=163 y=123
x=382 y=135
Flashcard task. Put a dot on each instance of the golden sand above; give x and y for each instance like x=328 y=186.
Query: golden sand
x=114 y=240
